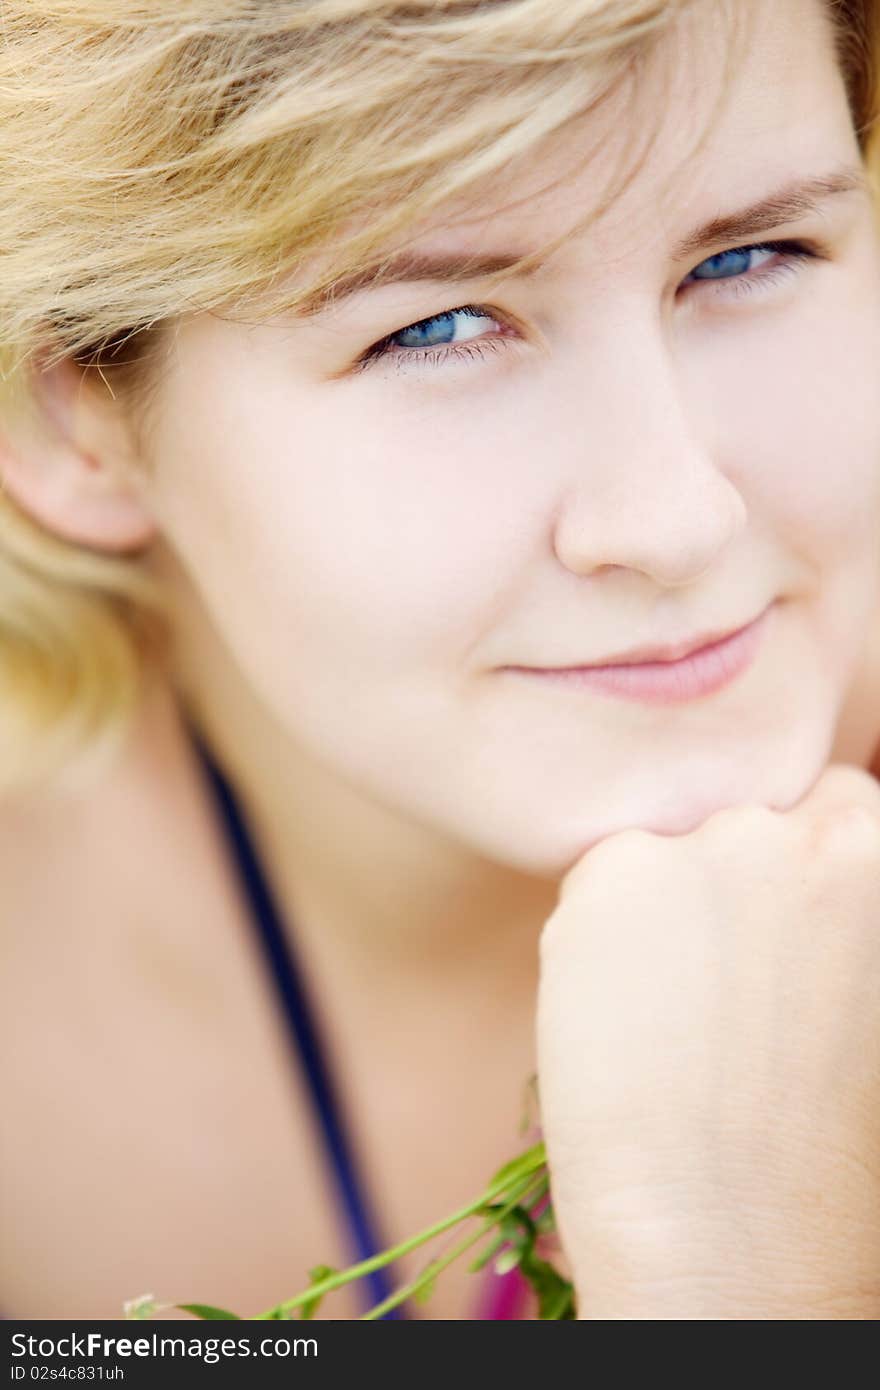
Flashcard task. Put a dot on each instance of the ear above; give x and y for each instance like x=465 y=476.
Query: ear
x=77 y=474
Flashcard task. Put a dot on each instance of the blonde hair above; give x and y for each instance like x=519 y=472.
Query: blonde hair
x=158 y=159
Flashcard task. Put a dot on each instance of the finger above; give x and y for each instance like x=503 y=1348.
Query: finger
x=839 y=788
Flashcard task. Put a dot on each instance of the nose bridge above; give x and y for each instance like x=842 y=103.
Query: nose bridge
x=645 y=491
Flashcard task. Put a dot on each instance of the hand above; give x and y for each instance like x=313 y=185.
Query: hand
x=709 y=1063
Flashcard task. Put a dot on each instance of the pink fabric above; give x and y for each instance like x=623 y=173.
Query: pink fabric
x=504 y=1296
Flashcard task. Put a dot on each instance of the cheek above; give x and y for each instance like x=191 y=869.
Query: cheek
x=371 y=544
x=407 y=516
x=804 y=438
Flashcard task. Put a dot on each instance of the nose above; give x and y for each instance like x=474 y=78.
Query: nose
x=647 y=494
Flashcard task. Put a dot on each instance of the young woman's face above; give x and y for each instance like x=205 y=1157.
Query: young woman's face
x=642 y=445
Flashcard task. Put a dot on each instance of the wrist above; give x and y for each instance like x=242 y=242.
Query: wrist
x=726 y=1265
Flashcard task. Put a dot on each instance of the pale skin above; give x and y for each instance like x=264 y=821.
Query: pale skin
x=355 y=554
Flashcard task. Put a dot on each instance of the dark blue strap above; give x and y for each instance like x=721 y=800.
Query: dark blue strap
x=278 y=949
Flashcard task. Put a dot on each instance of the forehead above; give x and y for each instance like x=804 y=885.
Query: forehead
x=737 y=100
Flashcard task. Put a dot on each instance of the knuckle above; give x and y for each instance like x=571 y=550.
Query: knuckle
x=851 y=832
x=747 y=820
x=624 y=846
x=843 y=779
x=840 y=785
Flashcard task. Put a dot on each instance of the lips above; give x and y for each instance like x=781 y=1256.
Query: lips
x=688 y=670
x=666 y=652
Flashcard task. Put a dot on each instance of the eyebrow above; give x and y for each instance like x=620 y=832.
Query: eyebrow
x=786 y=204
x=410 y=267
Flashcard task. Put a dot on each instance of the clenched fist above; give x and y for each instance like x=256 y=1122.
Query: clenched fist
x=709 y=1064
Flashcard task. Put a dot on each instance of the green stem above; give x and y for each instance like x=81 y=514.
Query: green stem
x=346 y=1276
x=437 y=1266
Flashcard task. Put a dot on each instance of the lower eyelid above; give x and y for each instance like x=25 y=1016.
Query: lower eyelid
x=741 y=285
x=469 y=348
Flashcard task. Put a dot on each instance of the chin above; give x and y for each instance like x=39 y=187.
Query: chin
x=777 y=784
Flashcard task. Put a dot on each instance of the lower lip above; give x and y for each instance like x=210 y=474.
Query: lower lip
x=667 y=682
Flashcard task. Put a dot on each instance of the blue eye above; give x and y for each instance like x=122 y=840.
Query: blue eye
x=440 y=330
x=725 y=264
x=740 y=260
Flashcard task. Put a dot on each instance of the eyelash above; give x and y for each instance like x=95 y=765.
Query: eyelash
x=736 y=286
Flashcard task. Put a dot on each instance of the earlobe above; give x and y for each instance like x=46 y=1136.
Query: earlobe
x=75 y=476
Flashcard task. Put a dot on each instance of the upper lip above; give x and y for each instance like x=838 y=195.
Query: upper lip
x=671 y=651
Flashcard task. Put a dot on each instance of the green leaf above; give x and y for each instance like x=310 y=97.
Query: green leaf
x=142 y=1307
x=483 y=1259
x=546 y=1222
x=316 y=1275
x=561 y=1306
x=424 y=1291
x=507 y=1260
x=555 y=1293
x=521 y=1166
x=516 y=1228
x=559 y=1303
x=520 y=1222
x=207 y=1313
